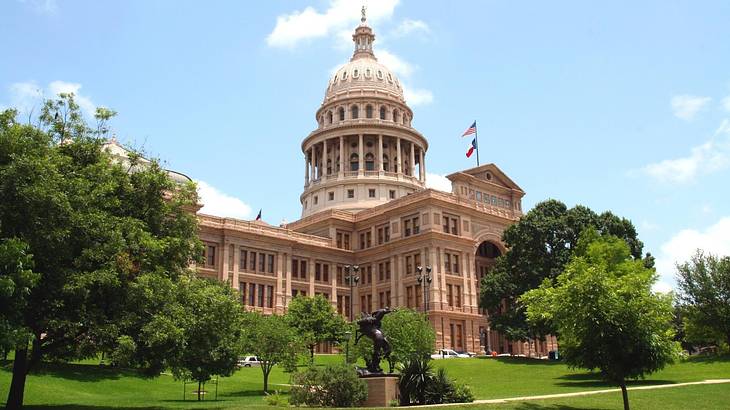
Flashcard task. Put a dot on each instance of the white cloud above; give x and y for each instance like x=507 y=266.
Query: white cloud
x=399 y=66
x=409 y=26
x=417 y=96
x=218 y=203
x=438 y=182
x=712 y=156
x=680 y=247
x=42 y=6
x=687 y=106
x=310 y=24
x=726 y=103
x=28 y=96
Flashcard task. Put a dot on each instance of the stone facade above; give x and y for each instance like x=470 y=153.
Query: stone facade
x=365 y=204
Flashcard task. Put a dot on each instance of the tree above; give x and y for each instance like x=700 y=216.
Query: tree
x=410 y=336
x=704 y=292
x=539 y=246
x=272 y=340
x=17 y=279
x=200 y=329
x=605 y=312
x=316 y=321
x=95 y=231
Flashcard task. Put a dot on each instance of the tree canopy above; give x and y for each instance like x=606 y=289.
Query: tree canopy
x=272 y=340
x=704 y=295
x=316 y=321
x=539 y=246
x=605 y=312
x=94 y=230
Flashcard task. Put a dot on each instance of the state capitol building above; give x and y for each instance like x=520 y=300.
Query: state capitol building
x=367 y=215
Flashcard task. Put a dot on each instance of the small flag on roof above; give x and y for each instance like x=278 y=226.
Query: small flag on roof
x=470 y=130
x=472 y=148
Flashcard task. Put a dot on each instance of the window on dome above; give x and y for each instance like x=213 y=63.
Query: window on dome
x=368 y=73
x=344 y=75
x=385 y=163
x=369 y=162
x=342 y=114
x=369 y=111
x=354 y=162
x=390 y=78
x=329 y=117
x=396 y=115
x=355 y=112
x=382 y=113
x=380 y=74
x=355 y=74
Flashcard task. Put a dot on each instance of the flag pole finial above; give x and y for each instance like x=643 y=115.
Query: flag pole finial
x=363 y=18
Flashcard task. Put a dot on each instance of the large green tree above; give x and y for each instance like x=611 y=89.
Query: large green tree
x=316 y=321
x=605 y=312
x=539 y=246
x=93 y=228
x=272 y=340
x=704 y=294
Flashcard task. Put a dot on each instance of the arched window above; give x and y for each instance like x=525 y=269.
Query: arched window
x=354 y=162
x=382 y=112
x=329 y=117
x=355 y=112
x=342 y=114
x=396 y=115
x=329 y=167
x=385 y=163
x=405 y=119
x=369 y=111
x=369 y=162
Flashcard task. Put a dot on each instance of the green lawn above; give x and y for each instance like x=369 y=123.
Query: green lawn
x=87 y=386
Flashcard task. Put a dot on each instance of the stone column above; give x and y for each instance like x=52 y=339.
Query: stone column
x=413 y=159
x=340 y=174
x=398 y=167
x=223 y=274
x=401 y=280
x=287 y=271
x=333 y=283
x=361 y=154
x=279 y=291
x=393 y=290
x=466 y=294
x=311 y=164
x=380 y=152
x=236 y=253
x=310 y=276
x=444 y=302
x=434 y=294
x=306 y=168
x=422 y=166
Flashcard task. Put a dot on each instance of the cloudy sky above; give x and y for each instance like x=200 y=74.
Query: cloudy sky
x=618 y=106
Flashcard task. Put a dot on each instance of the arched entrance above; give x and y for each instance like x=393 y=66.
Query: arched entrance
x=485 y=257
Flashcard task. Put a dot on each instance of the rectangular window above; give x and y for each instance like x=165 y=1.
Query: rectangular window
x=456 y=263
x=447 y=262
x=210 y=256
x=325 y=273
x=370 y=302
x=331 y=196
x=294 y=268
x=316 y=199
x=450 y=294
x=339 y=276
x=252 y=294
x=339 y=240
x=392 y=194
x=346 y=240
x=407 y=227
x=262 y=262
x=381 y=300
x=303 y=270
x=387 y=298
x=445 y=221
x=252 y=262
x=458 y=295
x=363 y=306
x=371 y=193
x=271 y=264
x=369 y=239
x=262 y=289
x=339 y=304
x=242 y=289
x=409 y=265
x=270 y=296
x=454 y=226
x=351 y=193
x=242 y=259
x=416 y=261
x=317 y=271
x=381 y=272
x=409 y=296
x=387 y=270
x=416 y=226
x=419 y=295
x=347 y=306
x=370 y=273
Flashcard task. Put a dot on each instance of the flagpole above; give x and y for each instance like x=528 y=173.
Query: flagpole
x=476 y=138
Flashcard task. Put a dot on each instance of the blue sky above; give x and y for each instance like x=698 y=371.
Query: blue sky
x=621 y=106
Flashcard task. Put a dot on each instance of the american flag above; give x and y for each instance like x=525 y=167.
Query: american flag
x=470 y=130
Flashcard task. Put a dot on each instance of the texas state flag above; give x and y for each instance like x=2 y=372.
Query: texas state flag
x=472 y=148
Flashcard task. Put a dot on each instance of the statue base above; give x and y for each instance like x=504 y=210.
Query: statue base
x=382 y=389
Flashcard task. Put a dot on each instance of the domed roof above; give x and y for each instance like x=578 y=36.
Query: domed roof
x=363 y=71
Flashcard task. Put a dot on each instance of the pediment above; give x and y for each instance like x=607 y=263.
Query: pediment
x=487 y=173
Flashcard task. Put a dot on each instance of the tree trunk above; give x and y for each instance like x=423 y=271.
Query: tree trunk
x=311 y=353
x=625 y=394
x=266 y=381
x=198 y=390
x=17 y=385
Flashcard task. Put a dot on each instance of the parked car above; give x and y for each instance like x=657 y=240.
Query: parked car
x=447 y=354
x=249 y=361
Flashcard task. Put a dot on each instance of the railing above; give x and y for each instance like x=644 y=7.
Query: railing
x=261 y=228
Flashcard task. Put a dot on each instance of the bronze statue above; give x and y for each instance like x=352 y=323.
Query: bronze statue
x=370 y=327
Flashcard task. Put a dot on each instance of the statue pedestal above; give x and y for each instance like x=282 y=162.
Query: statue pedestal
x=382 y=390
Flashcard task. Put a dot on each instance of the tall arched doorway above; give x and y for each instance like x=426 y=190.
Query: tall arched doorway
x=484 y=260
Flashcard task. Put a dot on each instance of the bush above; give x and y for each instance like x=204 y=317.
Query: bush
x=419 y=385
x=330 y=386
x=276 y=399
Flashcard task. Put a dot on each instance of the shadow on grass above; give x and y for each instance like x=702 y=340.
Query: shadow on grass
x=708 y=359
x=594 y=380
x=534 y=406
x=84 y=372
x=86 y=407
x=522 y=360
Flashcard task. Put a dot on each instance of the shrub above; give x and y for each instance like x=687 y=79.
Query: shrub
x=276 y=399
x=419 y=385
x=330 y=386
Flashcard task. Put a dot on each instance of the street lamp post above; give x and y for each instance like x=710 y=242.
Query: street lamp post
x=352 y=279
x=425 y=282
